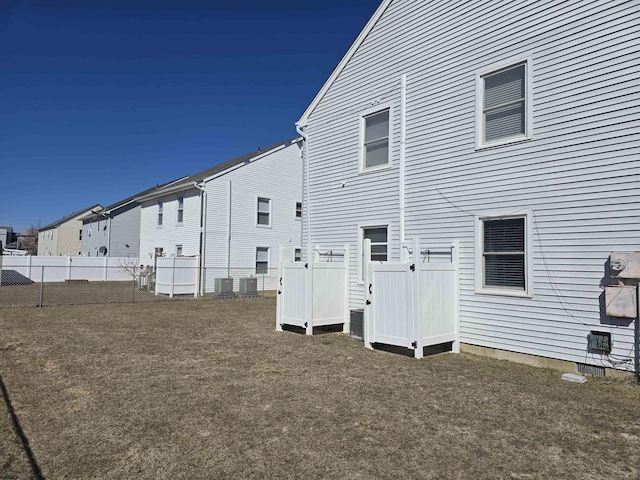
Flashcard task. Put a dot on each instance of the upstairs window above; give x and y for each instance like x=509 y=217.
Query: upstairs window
x=80 y=235
x=180 y=209
x=375 y=140
x=298 y=209
x=264 y=212
x=160 y=213
x=504 y=105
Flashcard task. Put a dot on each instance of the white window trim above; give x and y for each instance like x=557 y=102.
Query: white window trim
x=370 y=111
x=181 y=248
x=528 y=254
x=270 y=211
x=528 y=102
x=295 y=211
x=361 y=227
x=255 y=265
x=179 y=224
x=294 y=254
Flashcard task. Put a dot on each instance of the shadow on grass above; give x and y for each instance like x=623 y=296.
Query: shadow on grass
x=35 y=468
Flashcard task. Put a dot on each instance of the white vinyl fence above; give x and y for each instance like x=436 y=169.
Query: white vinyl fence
x=177 y=276
x=19 y=270
x=413 y=304
x=316 y=292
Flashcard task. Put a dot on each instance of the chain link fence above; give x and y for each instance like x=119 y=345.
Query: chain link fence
x=41 y=286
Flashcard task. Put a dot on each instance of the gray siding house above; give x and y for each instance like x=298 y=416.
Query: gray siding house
x=115 y=230
x=510 y=128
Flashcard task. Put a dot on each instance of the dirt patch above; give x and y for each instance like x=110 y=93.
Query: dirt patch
x=207 y=389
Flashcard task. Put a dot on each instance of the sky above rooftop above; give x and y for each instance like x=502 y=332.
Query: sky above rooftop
x=100 y=100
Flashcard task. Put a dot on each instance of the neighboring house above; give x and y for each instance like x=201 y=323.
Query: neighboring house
x=252 y=205
x=521 y=123
x=115 y=230
x=64 y=236
x=6 y=236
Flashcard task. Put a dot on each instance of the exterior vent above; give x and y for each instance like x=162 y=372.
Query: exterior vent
x=224 y=287
x=249 y=287
x=357 y=317
x=594 y=370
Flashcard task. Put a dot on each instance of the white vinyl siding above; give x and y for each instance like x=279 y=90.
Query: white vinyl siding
x=264 y=212
x=578 y=174
x=171 y=233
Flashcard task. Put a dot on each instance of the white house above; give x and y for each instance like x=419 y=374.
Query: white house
x=512 y=128
x=234 y=215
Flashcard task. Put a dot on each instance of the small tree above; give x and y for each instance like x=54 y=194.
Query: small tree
x=28 y=240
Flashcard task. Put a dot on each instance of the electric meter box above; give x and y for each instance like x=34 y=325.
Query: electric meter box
x=625 y=265
x=621 y=301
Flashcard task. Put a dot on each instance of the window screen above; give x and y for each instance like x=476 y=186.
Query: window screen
x=504 y=253
x=262 y=260
x=263 y=211
x=504 y=104
x=376 y=139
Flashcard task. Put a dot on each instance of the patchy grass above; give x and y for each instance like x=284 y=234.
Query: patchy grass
x=208 y=389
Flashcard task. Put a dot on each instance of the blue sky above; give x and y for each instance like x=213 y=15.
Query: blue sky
x=100 y=100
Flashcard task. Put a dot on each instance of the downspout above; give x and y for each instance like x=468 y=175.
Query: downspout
x=109 y=238
x=203 y=234
x=306 y=170
x=229 y=236
x=403 y=149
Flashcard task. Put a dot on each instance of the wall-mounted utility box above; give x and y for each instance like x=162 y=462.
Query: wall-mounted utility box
x=621 y=301
x=599 y=342
x=625 y=264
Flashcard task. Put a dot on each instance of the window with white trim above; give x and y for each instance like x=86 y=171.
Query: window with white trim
x=262 y=261
x=375 y=140
x=160 y=213
x=379 y=245
x=80 y=235
x=178 y=250
x=504 y=104
x=180 y=209
x=264 y=212
x=503 y=257
x=297 y=255
x=298 y=209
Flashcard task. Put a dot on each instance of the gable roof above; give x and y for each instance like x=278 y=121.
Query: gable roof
x=188 y=182
x=115 y=206
x=66 y=218
x=302 y=122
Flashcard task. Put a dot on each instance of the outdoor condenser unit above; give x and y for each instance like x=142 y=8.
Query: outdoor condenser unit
x=249 y=287
x=224 y=286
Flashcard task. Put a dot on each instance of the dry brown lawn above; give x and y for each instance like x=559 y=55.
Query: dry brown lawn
x=207 y=389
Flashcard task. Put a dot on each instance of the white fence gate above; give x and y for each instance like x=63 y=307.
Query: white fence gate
x=413 y=304
x=314 y=293
x=177 y=276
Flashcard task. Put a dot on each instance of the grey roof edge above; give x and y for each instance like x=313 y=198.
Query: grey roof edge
x=188 y=182
x=68 y=217
x=122 y=203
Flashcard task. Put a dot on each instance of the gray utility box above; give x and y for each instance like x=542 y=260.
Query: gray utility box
x=224 y=287
x=249 y=287
x=357 y=323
